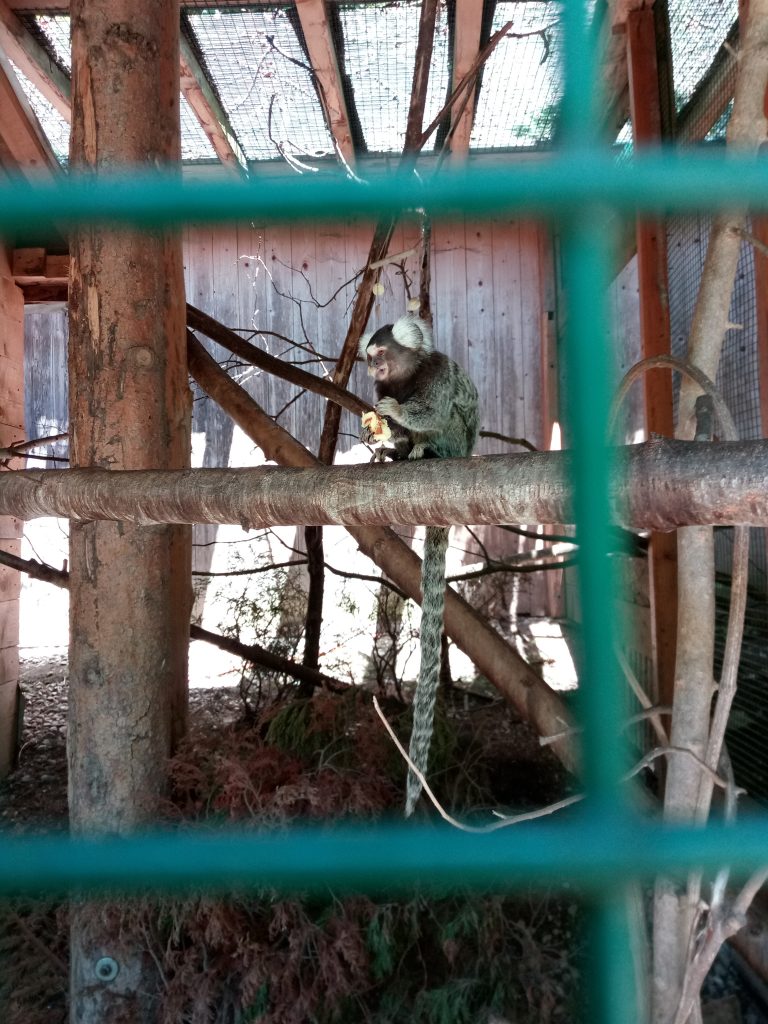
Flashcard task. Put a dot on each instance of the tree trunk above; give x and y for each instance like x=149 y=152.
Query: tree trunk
x=676 y=909
x=129 y=409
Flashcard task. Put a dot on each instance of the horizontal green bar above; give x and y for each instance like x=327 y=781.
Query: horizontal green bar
x=656 y=183
x=591 y=854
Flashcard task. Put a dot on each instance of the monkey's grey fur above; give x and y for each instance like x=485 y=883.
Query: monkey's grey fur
x=431 y=407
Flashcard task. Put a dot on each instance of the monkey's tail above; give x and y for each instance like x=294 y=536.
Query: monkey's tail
x=432 y=604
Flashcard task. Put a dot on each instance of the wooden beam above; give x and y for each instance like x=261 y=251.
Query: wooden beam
x=653 y=286
x=32 y=265
x=33 y=60
x=23 y=145
x=469 y=19
x=209 y=112
x=322 y=54
x=61 y=6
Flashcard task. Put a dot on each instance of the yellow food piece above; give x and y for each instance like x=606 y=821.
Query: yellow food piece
x=377 y=426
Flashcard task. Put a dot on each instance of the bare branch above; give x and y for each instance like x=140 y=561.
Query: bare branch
x=504 y=820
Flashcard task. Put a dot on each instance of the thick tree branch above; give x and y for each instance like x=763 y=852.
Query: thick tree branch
x=231 y=340
x=660 y=485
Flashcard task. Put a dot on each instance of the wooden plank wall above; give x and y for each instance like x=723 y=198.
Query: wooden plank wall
x=11 y=429
x=485 y=294
x=297 y=281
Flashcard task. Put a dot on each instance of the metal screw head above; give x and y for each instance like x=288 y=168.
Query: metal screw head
x=106 y=969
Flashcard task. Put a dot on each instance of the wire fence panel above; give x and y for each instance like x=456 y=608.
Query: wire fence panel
x=601 y=845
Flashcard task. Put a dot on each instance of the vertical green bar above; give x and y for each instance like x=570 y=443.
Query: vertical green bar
x=610 y=992
x=586 y=252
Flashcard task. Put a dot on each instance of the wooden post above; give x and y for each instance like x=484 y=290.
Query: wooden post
x=130 y=591
x=652 y=273
x=11 y=429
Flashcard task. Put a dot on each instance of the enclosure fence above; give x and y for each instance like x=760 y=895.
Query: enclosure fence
x=600 y=847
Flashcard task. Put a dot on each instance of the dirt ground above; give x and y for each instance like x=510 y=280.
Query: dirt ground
x=34 y=796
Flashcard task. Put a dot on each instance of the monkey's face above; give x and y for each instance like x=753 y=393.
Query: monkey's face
x=380 y=363
x=390 y=363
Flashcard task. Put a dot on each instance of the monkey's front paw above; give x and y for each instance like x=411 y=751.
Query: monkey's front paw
x=388 y=407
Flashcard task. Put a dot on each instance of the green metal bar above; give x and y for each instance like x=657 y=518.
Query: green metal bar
x=610 y=989
x=611 y=976
x=591 y=854
x=588 y=373
x=655 y=183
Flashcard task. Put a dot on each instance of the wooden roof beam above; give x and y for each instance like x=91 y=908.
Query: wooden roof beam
x=23 y=145
x=36 y=265
x=614 y=50
x=209 y=111
x=32 y=59
x=469 y=18
x=42 y=277
x=322 y=54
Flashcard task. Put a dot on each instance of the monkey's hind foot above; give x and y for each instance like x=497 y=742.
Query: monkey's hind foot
x=382 y=454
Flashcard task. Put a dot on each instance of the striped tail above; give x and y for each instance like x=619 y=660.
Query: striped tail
x=432 y=604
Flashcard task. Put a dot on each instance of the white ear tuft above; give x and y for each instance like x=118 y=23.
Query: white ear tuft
x=365 y=341
x=411 y=332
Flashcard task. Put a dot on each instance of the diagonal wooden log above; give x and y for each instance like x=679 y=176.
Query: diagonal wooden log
x=529 y=694
x=231 y=340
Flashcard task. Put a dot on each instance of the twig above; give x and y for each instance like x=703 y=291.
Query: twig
x=508 y=440
x=750 y=238
x=721 y=927
x=643 y=716
x=248 y=572
x=379 y=580
x=397 y=257
x=657 y=752
x=505 y=821
x=19 y=447
x=642 y=696
x=542 y=563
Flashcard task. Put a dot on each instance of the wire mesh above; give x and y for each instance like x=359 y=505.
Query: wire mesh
x=738 y=380
x=260 y=71
x=379 y=49
x=522 y=81
x=697 y=29
x=56 y=128
x=53 y=30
